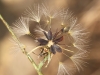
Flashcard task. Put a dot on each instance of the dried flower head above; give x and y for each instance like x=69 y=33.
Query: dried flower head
x=51 y=38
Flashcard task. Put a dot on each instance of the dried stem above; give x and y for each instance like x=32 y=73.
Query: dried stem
x=21 y=47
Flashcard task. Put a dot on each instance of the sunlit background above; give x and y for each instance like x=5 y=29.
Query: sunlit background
x=15 y=62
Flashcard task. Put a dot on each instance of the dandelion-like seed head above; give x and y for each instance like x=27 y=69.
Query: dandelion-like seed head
x=50 y=40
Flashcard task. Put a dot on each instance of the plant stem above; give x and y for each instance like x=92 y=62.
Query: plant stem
x=20 y=45
x=42 y=63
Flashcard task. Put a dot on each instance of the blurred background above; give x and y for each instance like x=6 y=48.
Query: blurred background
x=15 y=63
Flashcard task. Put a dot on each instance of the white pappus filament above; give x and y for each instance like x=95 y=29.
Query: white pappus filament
x=21 y=26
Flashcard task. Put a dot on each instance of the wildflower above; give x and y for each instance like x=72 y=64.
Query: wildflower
x=49 y=43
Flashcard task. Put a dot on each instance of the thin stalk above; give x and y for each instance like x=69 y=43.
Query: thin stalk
x=42 y=63
x=34 y=49
x=65 y=49
x=21 y=47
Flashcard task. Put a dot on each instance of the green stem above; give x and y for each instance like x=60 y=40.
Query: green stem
x=42 y=63
x=21 y=47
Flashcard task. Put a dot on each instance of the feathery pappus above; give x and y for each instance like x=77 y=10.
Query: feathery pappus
x=53 y=26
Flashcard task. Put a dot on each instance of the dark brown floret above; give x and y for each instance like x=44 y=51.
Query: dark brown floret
x=53 y=39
